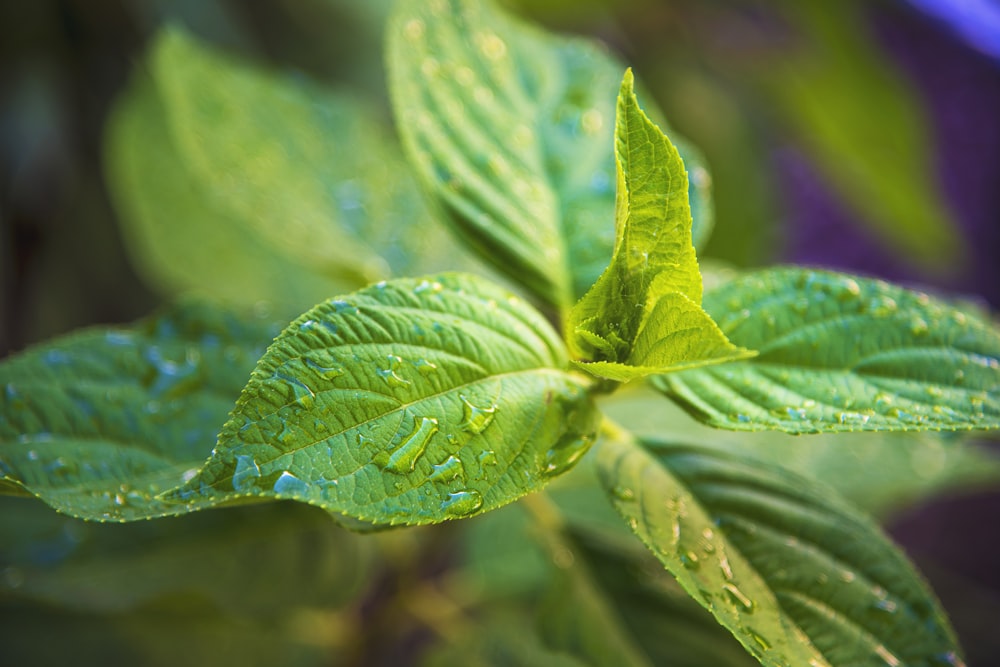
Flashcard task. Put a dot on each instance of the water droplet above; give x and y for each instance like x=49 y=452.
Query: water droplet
x=245 y=474
x=689 y=559
x=758 y=639
x=424 y=367
x=405 y=457
x=288 y=484
x=301 y=393
x=324 y=371
x=742 y=418
x=414 y=29
x=738 y=597
x=428 y=286
x=623 y=493
x=491 y=45
x=566 y=452
x=462 y=503
x=852 y=418
x=476 y=419
x=390 y=374
x=447 y=471
x=487 y=457
x=885 y=606
x=918 y=326
x=343 y=307
x=591 y=121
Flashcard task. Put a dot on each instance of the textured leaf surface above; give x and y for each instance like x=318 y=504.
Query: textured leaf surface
x=840 y=353
x=408 y=402
x=798 y=577
x=306 y=170
x=98 y=423
x=180 y=237
x=643 y=315
x=512 y=131
x=878 y=472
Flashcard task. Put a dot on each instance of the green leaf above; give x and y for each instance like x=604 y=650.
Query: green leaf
x=643 y=314
x=307 y=170
x=409 y=402
x=795 y=574
x=842 y=353
x=98 y=423
x=261 y=561
x=511 y=130
x=879 y=472
x=865 y=128
x=180 y=237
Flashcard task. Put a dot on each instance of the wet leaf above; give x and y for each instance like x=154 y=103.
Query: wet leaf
x=795 y=574
x=643 y=315
x=843 y=353
x=409 y=402
x=99 y=422
x=511 y=129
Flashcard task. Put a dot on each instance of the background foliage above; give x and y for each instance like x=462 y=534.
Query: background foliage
x=860 y=137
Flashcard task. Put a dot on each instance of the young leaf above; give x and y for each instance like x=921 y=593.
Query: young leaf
x=98 y=423
x=409 y=402
x=842 y=353
x=796 y=575
x=510 y=129
x=643 y=314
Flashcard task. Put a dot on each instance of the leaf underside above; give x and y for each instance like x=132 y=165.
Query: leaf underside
x=843 y=353
x=797 y=576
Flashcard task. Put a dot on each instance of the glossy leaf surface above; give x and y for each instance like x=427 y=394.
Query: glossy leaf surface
x=98 y=423
x=878 y=472
x=511 y=129
x=643 y=314
x=842 y=353
x=408 y=402
x=798 y=576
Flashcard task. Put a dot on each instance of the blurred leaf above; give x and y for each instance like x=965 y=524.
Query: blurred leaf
x=643 y=315
x=179 y=237
x=511 y=130
x=798 y=576
x=154 y=637
x=865 y=129
x=879 y=472
x=99 y=422
x=409 y=402
x=261 y=561
x=839 y=353
x=249 y=184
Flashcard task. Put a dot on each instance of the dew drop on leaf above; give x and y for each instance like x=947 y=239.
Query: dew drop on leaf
x=390 y=374
x=450 y=469
x=405 y=457
x=288 y=484
x=738 y=597
x=476 y=419
x=246 y=473
x=462 y=503
x=327 y=372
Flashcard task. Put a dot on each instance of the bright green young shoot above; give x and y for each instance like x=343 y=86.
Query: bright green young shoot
x=643 y=315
